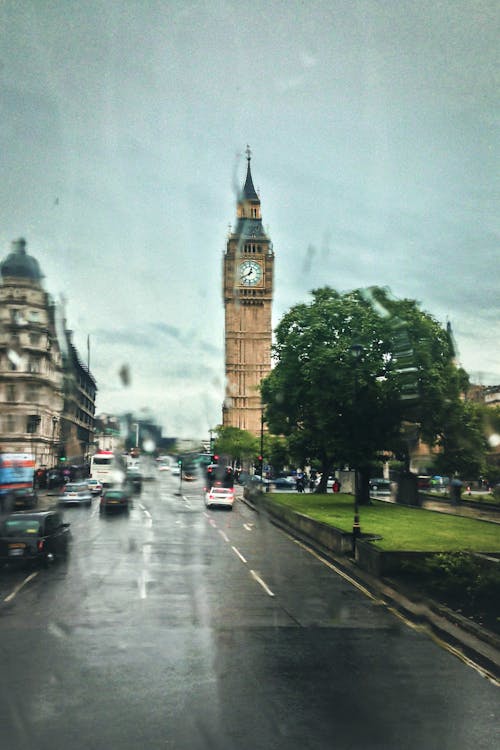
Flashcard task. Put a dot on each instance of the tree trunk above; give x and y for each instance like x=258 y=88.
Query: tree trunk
x=326 y=467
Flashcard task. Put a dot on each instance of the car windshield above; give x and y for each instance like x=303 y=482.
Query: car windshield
x=21 y=527
x=257 y=237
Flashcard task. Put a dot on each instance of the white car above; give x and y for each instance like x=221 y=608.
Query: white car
x=94 y=486
x=223 y=496
x=76 y=493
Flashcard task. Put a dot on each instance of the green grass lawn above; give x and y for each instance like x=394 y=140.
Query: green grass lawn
x=401 y=528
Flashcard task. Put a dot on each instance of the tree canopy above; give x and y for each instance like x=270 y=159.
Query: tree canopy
x=236 y=444
x=343 y=409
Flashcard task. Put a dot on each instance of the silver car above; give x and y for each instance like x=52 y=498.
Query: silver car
x=76 y=493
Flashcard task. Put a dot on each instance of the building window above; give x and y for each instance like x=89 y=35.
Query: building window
x=10 y=423
x=34 y=316
x=32 y=423
x=33 y=364
x=16 y=315
x=35 y=339
x=11 y=392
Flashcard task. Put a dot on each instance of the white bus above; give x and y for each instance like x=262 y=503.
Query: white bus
x=108 y=468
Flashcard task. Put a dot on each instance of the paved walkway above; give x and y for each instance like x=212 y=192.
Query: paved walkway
x=461 y=509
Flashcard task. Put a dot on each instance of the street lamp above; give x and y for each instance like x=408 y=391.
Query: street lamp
x=54 y=422
x=356 y=351
x=261 y=456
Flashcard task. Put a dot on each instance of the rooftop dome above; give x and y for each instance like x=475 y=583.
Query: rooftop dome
x=19 y=264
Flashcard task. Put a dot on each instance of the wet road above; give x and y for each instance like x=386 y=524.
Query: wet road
x=177 y=627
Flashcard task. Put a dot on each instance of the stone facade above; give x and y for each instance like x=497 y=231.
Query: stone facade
x=31 y=400
x=46 y=395
x=248 y=274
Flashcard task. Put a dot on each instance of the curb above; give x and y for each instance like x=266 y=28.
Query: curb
x=465 y=639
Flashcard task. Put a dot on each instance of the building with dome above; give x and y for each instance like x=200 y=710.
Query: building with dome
x=47 y=397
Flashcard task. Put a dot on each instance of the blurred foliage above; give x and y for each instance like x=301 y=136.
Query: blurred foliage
x=461 y=580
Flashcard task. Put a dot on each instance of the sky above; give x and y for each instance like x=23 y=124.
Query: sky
x=374 y=130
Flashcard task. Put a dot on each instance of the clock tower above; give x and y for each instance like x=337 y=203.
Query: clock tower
x=248 y=294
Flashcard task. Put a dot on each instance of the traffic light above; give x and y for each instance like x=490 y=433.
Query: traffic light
x=179 y=462
x=215 y=459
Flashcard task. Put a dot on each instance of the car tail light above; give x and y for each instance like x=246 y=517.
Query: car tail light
x=40 y=544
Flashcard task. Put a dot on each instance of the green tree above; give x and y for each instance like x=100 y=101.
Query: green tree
x=237 y=445
x=341 y=409
x=463 y=444
x=276 y=451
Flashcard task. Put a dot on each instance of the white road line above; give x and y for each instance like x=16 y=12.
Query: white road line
x=262 y=583
x=237 y=552
x=141 y=582
x=18 y=588
x=337 y=570
x=212 y=523
x=223 y=535
x=248 y=526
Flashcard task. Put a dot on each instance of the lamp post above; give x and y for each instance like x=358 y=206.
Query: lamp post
x=136 y=426
x=356 y=351
x=54 y=422
x=261 y=456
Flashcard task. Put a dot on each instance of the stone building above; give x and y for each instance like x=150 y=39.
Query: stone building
x=248 y=270
x=77 y=431
x=46 y=397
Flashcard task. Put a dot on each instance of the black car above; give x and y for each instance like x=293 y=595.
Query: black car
x=379 y=486
x=115 y=499
x=33 y=536
x=283 y=483
x=24 y=498
x=134 y=478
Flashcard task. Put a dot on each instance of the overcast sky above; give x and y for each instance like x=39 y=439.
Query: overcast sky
x=373 y=127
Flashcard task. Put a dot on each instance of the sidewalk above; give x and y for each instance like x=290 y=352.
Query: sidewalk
x=481 y=514
x=465 y=508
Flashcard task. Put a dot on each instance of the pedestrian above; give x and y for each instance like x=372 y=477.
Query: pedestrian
x=299 y=482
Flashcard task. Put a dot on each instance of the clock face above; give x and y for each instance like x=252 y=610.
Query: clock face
x=250 y=273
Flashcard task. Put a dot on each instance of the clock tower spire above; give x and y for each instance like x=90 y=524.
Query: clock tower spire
x=248 y=271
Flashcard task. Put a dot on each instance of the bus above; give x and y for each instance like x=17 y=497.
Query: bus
x=108 y=468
